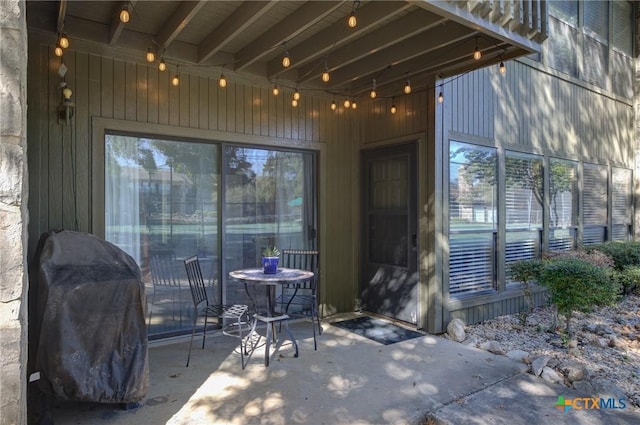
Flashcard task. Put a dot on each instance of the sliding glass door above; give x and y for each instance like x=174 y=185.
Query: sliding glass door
x=166 y=200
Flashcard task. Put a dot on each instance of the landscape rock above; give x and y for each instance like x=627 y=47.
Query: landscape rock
x=574 y=371
x=584 y=387
x=600 y=342
x=455 y=330
x=539 y=363
x=518 y=355
x=551 y=375
x=492 y=347
x=607 y=389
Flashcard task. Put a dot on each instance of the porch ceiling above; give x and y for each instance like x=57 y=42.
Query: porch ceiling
x=392 y=42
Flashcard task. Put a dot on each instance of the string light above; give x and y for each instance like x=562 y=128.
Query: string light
x=150 y=55
x=354 y=105
x=296 y=95
x=124 y=14
x=373 y=93
x=294 y=102
x=325 y=74
x=63 y=41
x=440 y=98
x=352 y=21
x=407 y=87
x=334 y=106
x=162 y=66
x=393 y=108
x=176 y=80
x=276 y=90
x=503 y=69
x=58 y=51
x=222 y=82
x=347 y=103
x=286 y=60
x=476 y=53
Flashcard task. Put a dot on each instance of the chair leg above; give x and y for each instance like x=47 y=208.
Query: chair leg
x=267 y=344
x=204 y=331
x=193 y=331
x=293 y=340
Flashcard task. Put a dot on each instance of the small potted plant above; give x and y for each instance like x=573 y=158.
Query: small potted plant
x=270 y=259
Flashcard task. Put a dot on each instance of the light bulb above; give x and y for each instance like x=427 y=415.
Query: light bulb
x=175 y=80
x=124 y=14
x=66 y=93
x=222 y=82
x=294 y=103
x=276 y=90
x=476 y=54
x=296 y=95
x=150 y=55
x=393 y=109
x=64 y=41
x=333 y=105
x=503 y=69
x=325 y=75
x=407 y=87
x=352 y=21
x=286 y=61
x=162 y=65
x=440 y=98
x=354 y=105
x=58 y=51
x=373 y=94
x=347 y=103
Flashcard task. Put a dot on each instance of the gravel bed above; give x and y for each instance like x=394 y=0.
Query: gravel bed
x=606 y=342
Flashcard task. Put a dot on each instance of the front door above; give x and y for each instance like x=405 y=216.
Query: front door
x=389 y=284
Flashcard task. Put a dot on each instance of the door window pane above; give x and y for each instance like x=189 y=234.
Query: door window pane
x=268 y=201
x=161 y=206
x=562 y=204
x=594 y=204
x=621 y=211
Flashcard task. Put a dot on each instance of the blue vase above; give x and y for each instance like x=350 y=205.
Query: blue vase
x=270 y=265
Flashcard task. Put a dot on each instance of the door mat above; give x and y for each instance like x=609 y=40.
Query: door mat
x=378 y=330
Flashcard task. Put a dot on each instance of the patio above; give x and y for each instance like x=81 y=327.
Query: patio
x=348 y=380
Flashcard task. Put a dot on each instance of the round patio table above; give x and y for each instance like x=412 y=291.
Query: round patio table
x=256 y=276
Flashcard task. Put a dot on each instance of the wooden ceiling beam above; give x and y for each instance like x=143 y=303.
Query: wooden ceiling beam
x=62 y=13
x=435 y=39
x=297 y=22
x=238 y=21
x=402 y=29
x=318 y=45
x=177 y=22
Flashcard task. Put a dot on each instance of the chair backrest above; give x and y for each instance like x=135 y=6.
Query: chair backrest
x=305 y=259
x=196 y=282
x=163 y=272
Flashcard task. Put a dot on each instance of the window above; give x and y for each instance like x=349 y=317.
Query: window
x=594 y=204
x=567 y=11
x=170 y=197
x=472 y=218
x=621 y=211
x=562 y=204
x=524 y=199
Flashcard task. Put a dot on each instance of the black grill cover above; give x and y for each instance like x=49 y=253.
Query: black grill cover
x=91 y=332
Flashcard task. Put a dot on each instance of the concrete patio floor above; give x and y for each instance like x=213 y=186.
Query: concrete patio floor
x=348 y=380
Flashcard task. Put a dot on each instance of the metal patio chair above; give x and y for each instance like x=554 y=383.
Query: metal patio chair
x=301 y=300
x=236 y=315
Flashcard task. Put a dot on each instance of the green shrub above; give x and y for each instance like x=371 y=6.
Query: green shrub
x=577 y=285
x=526 y=271
x=629 y=280
x=623 y=254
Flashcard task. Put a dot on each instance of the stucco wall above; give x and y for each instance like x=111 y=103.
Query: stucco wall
x=13 y=211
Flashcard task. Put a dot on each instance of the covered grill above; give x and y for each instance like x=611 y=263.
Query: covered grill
x=89 y=337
